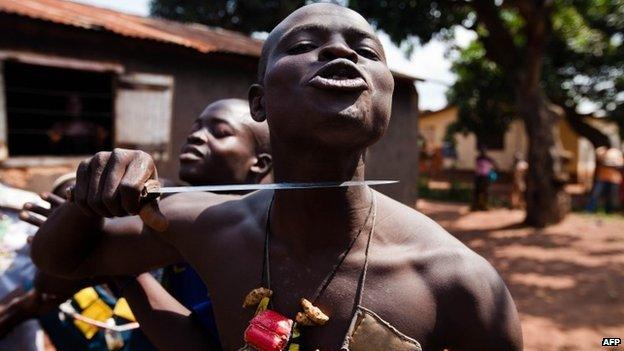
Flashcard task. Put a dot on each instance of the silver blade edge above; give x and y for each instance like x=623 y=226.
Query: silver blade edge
x=272 y=186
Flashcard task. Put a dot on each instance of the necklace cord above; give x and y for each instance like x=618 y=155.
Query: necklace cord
x=328 y=279
x=266 y=269
x=362 y=281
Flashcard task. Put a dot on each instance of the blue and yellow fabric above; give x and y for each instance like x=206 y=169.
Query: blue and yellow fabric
x=96 y=303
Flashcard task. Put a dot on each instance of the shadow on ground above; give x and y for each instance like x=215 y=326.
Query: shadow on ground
x=570 y=274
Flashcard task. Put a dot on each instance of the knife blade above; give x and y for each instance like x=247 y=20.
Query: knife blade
x=271 y=186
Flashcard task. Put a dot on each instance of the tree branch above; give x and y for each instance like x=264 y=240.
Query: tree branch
x=594 y=135
x=499 y=44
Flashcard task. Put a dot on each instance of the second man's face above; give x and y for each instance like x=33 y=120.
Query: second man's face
x=326 y=79
x=219 y=150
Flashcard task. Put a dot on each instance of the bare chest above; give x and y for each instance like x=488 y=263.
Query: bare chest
x=396 y=293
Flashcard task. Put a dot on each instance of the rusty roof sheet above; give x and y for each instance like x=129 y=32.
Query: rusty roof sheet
x=195 y=36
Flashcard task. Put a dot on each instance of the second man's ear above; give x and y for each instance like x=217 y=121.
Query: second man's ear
x=256 y=102
x=263 y=165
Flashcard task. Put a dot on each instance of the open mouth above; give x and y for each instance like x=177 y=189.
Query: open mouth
x=339 y=75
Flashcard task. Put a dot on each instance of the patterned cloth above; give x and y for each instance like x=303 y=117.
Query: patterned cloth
x=16 y=269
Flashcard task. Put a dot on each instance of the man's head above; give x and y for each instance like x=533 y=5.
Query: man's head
x=226 y=146
x=323 y=80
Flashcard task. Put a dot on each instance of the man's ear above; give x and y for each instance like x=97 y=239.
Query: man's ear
x=256 y=103
x=263 y=165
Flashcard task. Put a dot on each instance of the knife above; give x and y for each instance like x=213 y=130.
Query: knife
x=150 y=213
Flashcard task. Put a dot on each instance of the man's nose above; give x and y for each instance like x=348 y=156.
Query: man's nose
x=338 y=49
x=198 y=137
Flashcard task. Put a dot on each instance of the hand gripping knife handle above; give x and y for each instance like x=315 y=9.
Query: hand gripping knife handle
x=150 y=212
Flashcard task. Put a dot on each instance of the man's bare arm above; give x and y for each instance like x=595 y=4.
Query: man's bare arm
x=161 y=316
x=73 y=245
x=481 y=312
x=75 y=242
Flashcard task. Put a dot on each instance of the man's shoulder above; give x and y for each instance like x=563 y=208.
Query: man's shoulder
x=413 y=228
x=446 y=262
x=460 y=272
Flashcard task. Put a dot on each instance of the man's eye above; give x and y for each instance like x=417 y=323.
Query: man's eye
x=368 y=53
x=301 y=48
x=222 y=132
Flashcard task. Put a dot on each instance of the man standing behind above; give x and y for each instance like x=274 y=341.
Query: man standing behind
x=225 y=146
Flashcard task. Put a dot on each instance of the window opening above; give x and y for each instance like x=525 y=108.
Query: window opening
x=57 y=112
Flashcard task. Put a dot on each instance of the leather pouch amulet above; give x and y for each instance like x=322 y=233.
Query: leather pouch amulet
x=268 y=331
x=368 y=332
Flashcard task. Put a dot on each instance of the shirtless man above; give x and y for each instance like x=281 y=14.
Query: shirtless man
x=225 y=146
x=326 y=92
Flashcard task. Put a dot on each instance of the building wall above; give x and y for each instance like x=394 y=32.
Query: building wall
x=582 y=159
x=198 y=80
x=433 y=129
x=433 y=126
x=570 y=142
x=514 y=141
x=395 y=156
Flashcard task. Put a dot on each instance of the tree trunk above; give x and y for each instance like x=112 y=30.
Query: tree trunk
x=546 y=200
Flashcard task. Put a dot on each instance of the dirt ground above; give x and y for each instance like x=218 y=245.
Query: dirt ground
x=567 y=280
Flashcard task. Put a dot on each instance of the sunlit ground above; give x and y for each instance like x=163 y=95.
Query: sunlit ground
x=567 y=280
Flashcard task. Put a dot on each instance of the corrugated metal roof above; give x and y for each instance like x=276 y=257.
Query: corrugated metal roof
x=198 y=37
x=195 y=36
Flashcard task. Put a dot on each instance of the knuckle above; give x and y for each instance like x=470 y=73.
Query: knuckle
x=144 y=156
x=118 y=154
x=101 y=157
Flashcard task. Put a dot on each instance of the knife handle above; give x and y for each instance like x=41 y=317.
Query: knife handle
x=149 y=213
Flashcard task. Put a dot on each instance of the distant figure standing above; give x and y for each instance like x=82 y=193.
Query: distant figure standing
x=518 y=186
x=609 y=161
x=484 y=174
x=76 y=135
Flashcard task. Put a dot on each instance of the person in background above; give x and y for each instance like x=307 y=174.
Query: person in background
x=609 y=162
x=225 y=146
x=76 y=135
x=518 y=186
x=485 y=173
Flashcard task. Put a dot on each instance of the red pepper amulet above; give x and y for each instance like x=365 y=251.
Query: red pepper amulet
x=268 y=331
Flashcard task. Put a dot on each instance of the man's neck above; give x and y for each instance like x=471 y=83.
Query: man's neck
x=318 y=219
